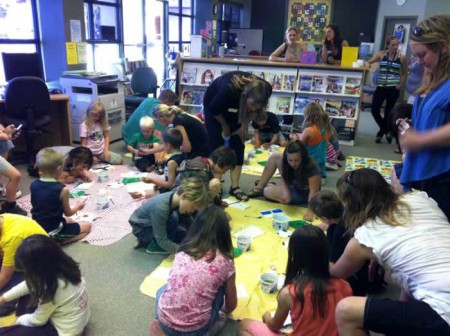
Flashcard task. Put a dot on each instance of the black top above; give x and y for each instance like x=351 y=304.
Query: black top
x=47 y=205
x=338 y=45
x=196 y=133
x=271 y=126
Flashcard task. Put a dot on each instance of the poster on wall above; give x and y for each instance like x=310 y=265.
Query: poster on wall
x=311 y=18
x=401 y=32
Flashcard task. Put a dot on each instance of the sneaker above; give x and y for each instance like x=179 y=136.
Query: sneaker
x=153 y=248
x=16 y=209
x=341 y=156
x=3 y=194
x=331 y=166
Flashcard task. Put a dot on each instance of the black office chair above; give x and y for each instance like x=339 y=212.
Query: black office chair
x=143 y=82
x=27 y=102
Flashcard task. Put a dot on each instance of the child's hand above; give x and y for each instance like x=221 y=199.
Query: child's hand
x=136 y=195
x=106 y=155
x=266 y=317
x=309 y=216
x=147 y=179
x=85 y=178
x=79 y=206
x=266 y=145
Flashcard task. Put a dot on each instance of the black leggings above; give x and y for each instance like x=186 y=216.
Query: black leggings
x=390 y=94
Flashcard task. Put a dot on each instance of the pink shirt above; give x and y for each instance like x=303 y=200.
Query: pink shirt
x=95 y=138
x=186 y=303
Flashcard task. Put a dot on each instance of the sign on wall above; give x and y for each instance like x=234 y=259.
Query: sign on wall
x=311 y=17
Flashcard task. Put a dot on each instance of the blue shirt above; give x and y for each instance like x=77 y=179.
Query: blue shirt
x=429 y=112
x=47 y=205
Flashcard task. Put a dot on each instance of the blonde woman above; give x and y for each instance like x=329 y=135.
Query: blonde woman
x=289 y=51
x=427 y=142
x=231 y=102
x=195 y=138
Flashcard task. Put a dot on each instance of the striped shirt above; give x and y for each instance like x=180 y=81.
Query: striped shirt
x=390 y=71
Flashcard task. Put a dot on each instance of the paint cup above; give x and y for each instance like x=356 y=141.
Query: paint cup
x=269 y=282
x=280 y=221
x=103 y=176
x=102 y=203
x=274 y=148
x=244 y=242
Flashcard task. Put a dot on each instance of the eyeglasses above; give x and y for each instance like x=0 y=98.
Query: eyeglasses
x=348 y=179
x=418 y=31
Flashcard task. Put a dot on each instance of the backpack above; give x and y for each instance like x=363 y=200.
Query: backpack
x=196 y=167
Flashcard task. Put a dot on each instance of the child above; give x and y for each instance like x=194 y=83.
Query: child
x=309 y=293
x=14 y=176
x=172 y=139
x=156 y=223
x=203 y=276
x=7 y=134
x=267 y=131
x=140 y=144
x=76 y=163
x=54 y=281
x=315 y=135
x=13 y=230
x=326 y=205
x=50 y=200
x=94 y=134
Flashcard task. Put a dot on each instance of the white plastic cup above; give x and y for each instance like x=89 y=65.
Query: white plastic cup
x=280 y=221
x=221 y=51
x=102 y=203
x=274 y=148
x=244 y=243
x=103 y=176
x=269 y=282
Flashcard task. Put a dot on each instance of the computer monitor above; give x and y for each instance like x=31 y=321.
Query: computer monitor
x=22 y=64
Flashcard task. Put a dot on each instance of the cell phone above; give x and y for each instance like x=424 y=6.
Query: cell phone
x=17 y=130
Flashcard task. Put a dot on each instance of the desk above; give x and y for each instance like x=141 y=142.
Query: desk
x=58 y=132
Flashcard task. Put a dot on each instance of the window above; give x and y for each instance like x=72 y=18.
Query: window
x=103 y=33
x=228 y=16
x=180 y=25
x=18 y=29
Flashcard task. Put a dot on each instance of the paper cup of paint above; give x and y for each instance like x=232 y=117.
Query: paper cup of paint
x=103 y=176
x=244 y=242
x=274 y=148
x=269 y=282
x=102 y=203
x=280 y=221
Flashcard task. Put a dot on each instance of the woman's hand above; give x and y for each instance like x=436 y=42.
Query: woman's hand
x=410 y=140
x=330 y=59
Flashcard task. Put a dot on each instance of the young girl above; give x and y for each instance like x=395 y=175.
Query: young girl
x=316 y=134
x=94 y=134
x=203 y=276
x=76 y=163
x=53 y=279
x=300 y=177
x=310 y=294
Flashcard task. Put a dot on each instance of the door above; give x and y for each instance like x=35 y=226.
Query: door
x=399 y=26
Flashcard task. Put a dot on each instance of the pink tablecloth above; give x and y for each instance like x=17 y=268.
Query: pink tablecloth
x=111 y=224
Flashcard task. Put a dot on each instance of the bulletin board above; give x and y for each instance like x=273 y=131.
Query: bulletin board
x=311 y=18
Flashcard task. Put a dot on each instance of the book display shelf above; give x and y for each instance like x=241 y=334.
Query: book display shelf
x=338 y=89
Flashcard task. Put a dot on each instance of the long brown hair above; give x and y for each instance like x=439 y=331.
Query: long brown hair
x=432 y=32
x=315 y=115
x=366 y=195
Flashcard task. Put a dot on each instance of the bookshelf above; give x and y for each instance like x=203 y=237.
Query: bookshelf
x=338 y=89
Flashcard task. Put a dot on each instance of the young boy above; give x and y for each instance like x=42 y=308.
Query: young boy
x=76 y=163
x=326 y=205
x=141 y=143
x=6 y=136
x=157 y=223
x=267 y=131
x=50 y=200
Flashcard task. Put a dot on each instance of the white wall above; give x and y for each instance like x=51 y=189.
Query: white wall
x=435 y=7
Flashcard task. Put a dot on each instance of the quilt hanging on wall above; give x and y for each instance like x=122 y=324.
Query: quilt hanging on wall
x=311 y=18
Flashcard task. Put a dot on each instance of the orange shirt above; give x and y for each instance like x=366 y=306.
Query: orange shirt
x=317 y=136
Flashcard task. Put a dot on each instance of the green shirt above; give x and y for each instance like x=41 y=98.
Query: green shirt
x=139 y=142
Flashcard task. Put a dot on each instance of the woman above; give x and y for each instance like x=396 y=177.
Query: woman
x=392 y=74
x=332 y=46
x=408 y=235
x=427 y=143
x=195 y=139
x=231 y=102
x=300 y=177
x=289 y=51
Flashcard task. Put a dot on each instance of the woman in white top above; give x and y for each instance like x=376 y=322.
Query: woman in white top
x=289 y=51
x=53 y=280
x=409 y=236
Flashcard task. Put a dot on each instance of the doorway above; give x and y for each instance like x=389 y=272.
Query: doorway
x=399 y=26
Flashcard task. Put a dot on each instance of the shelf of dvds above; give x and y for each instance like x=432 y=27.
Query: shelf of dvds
x=338 y=89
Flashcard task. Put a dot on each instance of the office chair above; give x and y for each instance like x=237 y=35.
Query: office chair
x=27 y=102
x=143 y=82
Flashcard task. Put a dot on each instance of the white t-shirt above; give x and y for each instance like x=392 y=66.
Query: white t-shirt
x=68 y=312
x=95 y=138
x=417 y=254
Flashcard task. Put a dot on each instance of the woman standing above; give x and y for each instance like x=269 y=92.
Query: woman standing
x=332 y=46
x=427 y=143
x=408 y=235
x=392 y=74
x=289 y=51
x=231 y=102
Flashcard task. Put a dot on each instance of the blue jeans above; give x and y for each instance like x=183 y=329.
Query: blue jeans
x=216 y=306
x=298 y=196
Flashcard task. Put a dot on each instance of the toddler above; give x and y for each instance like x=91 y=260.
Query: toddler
x=267 y=131
x=94 y=134
x=50 y=200
x=141 y=143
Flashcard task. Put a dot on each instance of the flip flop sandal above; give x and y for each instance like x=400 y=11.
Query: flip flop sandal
x=236 y=192
x=270 y=182
x=255 y=192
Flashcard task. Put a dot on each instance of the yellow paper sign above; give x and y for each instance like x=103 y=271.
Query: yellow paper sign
x=71 y=51
x=349 y=55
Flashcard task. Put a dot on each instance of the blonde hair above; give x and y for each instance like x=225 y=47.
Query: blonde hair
x=315 y=115
x=196 y=191
x=146 y=122
x=164 y=111
x=434 y=31
x=48 y=160
x=97 y=107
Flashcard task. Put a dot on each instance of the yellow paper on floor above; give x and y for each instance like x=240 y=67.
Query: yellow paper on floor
x=251 y=165
x=9 y=320
x=267 y=251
